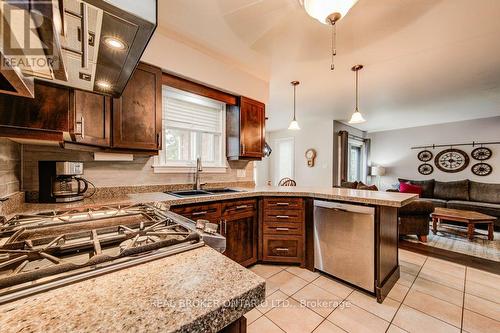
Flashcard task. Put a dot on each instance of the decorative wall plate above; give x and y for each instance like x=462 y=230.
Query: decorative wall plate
x=451 y=160
x=481 y=169
x=481 y=153
x=425 y=155
x=425 y=169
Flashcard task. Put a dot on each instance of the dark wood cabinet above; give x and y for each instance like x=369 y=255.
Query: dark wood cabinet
x=238 y=222
x=245 y=125
x=45 y=117
x=283 y=229
x=137 y=113
x=92 y=118
x=239 y=226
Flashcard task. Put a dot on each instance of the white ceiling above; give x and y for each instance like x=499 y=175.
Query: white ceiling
x=426 y=61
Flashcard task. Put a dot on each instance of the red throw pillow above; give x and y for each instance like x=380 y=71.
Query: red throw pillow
x=409 y=188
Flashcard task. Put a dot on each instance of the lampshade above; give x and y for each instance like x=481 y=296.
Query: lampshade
x=378 y=171
x=322 y=9
x=357 y=118
x=294 y=125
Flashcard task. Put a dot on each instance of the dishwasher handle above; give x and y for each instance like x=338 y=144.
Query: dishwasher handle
x=346 y=208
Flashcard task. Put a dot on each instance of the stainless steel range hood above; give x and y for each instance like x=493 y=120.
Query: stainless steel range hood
x=99 y=44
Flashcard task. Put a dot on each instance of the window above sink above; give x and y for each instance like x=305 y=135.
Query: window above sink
x=193 y=126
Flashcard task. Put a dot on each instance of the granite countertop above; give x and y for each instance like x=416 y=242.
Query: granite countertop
x=381 y=198
x=195 y=291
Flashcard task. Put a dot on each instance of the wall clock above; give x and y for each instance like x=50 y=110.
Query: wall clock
x=425 y=155
x=425 y=169
x=481 y=169
x=481 y=153
x=451 y=160
x=310 y=156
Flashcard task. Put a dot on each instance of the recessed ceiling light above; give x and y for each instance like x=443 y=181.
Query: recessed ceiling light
x=115 y=43
x=104 y=85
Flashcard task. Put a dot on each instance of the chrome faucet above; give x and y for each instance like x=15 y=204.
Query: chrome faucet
x=197 y=185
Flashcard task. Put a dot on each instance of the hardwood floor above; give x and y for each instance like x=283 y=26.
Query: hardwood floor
x=459 y=258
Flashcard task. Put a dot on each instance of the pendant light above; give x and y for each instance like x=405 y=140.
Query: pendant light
x=294 y=125
x=357 y=117
x=329 y=12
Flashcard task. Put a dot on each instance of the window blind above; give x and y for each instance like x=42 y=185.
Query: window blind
x=184 y=113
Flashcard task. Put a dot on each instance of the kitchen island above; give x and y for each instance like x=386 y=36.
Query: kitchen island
x=195 y=291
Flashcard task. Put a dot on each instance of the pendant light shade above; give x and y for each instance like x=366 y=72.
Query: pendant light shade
x=357 y=117
x=294 y=125
x=328 y=11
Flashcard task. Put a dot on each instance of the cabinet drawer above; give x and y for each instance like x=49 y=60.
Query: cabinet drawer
x=238 y=207
x=283 y=203
x=283 y=228
x=286 y=216
x=283 y=248
x=211 y=212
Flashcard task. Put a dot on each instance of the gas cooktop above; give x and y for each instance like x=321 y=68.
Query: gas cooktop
x=42 y=251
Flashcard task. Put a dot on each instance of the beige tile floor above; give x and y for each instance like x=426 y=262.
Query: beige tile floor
x=432 y=295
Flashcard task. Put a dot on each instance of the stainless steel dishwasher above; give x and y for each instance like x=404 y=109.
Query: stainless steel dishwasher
x=344 y=237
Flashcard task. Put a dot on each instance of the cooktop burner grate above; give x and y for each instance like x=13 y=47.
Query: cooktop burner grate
x=43 y=248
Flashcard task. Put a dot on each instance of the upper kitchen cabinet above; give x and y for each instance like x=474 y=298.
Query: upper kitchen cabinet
x=92 y=119
x=245 y=130
x=45 y=117
x=137 y=113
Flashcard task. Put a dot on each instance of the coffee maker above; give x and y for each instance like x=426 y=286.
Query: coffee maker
x=59 y=181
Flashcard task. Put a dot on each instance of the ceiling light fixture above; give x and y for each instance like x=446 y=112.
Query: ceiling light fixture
x=294 y=125
x=329 y=12
x=357 y=117
x=115 y=43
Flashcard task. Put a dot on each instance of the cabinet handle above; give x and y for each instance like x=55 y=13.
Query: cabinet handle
x=199 y=213
x=281 y=249
x=158 y=140
x=225 y=227
x=85 y=36
x=243 y=148
x=282 y=229
x=282 y=204
x=82 y=127
x=242 y=207
x=282 y=216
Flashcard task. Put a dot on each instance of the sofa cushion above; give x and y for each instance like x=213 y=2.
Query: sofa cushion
x=482 y=192
x=481 y=207
x=437 y=202
x=458 y=190
x=409 y=188
x=352 y=185
x=362 y=186
x=426 y=185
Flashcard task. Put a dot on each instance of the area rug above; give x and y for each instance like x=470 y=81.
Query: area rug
x=454 y=238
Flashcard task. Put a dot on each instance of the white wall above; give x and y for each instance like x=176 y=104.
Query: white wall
x=391 y=149
x=314 y=133
x=198 y=64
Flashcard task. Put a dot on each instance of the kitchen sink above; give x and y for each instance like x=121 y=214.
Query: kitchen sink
x=192 y=193
x=223 y=190
x=195 y=193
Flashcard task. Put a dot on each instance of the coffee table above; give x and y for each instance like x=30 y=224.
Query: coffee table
x=471 y=218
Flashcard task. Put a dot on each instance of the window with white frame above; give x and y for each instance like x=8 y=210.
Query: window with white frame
x=193 y=126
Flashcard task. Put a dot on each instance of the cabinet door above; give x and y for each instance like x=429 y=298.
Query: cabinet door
x=49 y=110
x=241 y=238
x=92 y=118
x=252 y=136
x=137 y=113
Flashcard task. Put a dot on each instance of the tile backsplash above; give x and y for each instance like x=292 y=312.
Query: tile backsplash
x=138 y=172
x=10 y=167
